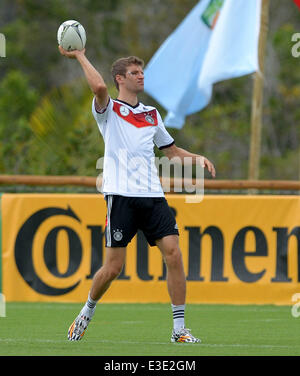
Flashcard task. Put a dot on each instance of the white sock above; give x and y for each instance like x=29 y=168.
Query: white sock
x=178 y=316
x=89 y=307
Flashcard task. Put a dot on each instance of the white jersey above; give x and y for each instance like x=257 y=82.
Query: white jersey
x=130 y=134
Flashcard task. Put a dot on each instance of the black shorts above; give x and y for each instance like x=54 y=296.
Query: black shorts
x=126 y=215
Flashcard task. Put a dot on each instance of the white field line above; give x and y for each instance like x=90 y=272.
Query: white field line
x=215 y=345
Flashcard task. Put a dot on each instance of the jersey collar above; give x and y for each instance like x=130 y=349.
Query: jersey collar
x=138 y=103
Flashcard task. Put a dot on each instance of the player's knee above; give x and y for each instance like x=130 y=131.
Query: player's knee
x=114 y=271
x=173 y=257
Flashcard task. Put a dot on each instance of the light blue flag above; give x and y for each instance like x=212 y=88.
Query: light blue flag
x=218 y=40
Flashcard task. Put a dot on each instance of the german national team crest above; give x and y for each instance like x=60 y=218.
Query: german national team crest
x=117 y=234
x=149 y=119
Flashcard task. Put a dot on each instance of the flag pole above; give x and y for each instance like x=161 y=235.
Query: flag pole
x=257 y=98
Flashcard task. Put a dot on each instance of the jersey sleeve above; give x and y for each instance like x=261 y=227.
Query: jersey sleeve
x=101 y=115
x=162 y=138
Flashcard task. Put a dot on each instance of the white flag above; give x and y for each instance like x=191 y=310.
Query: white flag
x=218 y=40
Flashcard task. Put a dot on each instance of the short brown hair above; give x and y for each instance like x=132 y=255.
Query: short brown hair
x=120 y=66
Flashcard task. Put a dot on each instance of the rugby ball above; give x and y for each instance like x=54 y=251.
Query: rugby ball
x=71 y=35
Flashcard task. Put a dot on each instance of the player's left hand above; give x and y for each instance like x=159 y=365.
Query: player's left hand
x=209 y=165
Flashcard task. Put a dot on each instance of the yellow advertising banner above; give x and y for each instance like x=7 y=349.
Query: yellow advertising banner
x=236 y=249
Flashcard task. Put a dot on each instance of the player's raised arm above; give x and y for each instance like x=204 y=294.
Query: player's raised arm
x=94 y=78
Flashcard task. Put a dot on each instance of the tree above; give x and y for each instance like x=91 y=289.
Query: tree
x=17 y=101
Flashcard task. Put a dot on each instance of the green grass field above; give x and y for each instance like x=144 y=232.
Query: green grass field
x=40 y=329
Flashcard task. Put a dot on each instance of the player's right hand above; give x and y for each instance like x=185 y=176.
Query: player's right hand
x=71 y=54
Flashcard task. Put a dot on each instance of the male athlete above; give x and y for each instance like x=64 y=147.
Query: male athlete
x=131 y=186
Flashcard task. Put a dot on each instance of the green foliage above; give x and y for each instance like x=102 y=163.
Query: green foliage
x=46 y=125
x=17 y=101
x=68 y=139
x=281 y=149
